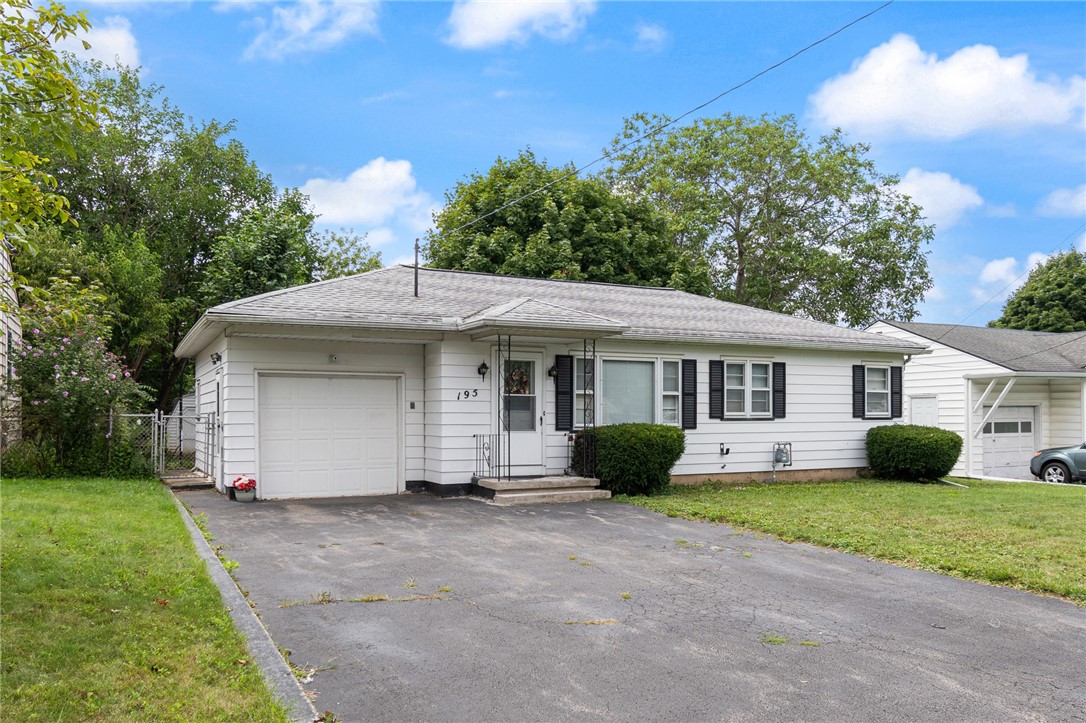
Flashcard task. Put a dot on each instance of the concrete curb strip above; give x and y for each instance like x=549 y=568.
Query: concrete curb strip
x=262 y=648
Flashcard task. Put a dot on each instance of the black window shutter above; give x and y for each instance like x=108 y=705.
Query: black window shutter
x=859 y=378
x=716 y=389
x=563 y=391
x=778 y=390
x=690 y=394
x=895 y=392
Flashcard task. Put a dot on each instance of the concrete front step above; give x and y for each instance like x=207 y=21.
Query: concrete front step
x=549 y=496
x=537 y=483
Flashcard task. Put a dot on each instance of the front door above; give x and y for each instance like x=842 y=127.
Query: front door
x=521 y=393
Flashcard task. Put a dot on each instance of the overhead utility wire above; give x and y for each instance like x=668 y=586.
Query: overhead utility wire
x=1008 y=285
x=653 y=131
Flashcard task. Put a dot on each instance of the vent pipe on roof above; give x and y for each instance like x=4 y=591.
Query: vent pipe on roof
x=416 y=268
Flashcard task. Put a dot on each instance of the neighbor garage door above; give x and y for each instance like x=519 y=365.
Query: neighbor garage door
x=328 y=436
x=1009 y=442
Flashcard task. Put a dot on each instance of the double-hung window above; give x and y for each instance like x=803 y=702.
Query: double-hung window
x=747 y=389
x=877 y=392
x=670 y=390
x=584 y=392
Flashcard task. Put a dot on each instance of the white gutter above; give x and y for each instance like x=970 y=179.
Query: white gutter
x=1043 y=375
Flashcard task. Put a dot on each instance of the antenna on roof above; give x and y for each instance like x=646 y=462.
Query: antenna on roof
x=416 y=268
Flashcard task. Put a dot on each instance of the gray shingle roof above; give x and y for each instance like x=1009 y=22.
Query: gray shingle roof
x=447 y=298
x=1020 y=351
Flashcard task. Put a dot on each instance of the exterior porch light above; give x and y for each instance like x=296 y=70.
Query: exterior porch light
x=216 y=357
x=483 y=369
x=553 y=371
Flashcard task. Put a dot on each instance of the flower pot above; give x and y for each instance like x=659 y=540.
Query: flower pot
x=245 y=495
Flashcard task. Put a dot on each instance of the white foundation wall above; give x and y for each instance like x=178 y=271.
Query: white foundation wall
x=819 y=422
x=244 y=357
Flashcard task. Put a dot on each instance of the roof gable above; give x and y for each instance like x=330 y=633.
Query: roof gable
x=1014 y=349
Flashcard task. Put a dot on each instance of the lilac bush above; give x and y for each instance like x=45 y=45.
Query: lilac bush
x=67 y=379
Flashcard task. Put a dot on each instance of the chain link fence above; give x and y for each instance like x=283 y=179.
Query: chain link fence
x=120 y=444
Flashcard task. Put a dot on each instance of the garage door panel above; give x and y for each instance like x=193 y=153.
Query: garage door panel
x=347 y=419
x=329 y=436
x=347 y=451
x=1009 y=442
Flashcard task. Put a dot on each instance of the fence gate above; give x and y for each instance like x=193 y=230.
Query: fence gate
x=171 y=441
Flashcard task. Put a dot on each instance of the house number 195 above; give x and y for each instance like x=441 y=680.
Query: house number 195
x=467 y=394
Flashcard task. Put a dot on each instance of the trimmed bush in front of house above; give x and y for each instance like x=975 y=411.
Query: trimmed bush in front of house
x=632 y=459
x=912 y=452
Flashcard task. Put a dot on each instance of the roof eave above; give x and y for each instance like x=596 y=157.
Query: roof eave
x=828 y=345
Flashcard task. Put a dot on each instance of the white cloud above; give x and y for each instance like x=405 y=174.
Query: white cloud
x=381 y=193
x=478 y=24
x=898 y=88
x=311 y=25
x=935 y=293
x=110 y=41
x=1064 y=202
x=386 y=97
x=651 y=38
x=944 y=198
x=1000 y=277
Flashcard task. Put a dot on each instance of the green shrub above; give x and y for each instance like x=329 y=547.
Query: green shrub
x=632 y=459
x=912 y=452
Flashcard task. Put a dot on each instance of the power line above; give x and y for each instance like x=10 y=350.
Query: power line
x=1009 y=285
x=653 y=131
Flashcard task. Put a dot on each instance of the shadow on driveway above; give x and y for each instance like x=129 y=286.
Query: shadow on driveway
x=608 y=611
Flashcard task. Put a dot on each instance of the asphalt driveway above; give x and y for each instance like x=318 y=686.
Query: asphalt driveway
x=599 y=611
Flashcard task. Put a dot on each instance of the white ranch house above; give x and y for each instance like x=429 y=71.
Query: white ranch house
x=359 y=386
x=1008 y=393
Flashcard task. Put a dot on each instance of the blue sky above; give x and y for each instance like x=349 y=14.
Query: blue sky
x=377 y=108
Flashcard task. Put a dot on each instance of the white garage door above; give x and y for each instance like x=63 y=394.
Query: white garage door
x=328 y=436
x=1009 y=442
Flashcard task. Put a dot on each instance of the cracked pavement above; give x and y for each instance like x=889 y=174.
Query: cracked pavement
x=604 y=611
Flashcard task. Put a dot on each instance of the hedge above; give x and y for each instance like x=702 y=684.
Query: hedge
x=633 y=459
x=911 y=452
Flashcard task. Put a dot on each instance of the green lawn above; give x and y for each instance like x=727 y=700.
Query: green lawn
x=1029 y=536
x=108 y=613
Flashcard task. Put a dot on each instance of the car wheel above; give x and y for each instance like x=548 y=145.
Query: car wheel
x=1055 y=472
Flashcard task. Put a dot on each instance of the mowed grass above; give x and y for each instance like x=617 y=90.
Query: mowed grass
x=108 y=613
x=1029 y=536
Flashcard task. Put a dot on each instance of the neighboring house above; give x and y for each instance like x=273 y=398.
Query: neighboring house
x=10 y=328
x=1008 y=393
x=358 y=386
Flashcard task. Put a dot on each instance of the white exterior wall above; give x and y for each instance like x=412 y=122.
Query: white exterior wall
x=10 y=328
x=1067 y=412
x=819 y=421
x=440 y=446
x=244 y=357
x=1060 y=402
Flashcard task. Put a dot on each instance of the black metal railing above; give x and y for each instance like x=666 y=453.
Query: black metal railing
x=489 y=457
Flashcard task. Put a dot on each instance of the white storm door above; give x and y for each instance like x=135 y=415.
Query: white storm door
x=520 y=389
x=328 y=436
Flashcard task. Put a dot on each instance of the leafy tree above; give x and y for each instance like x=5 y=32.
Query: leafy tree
x=576 y=228
x=67 y=379
x=152 y=192
x=781 y=222
x=1052 y=299
x=39 y=98
x=274 y=247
